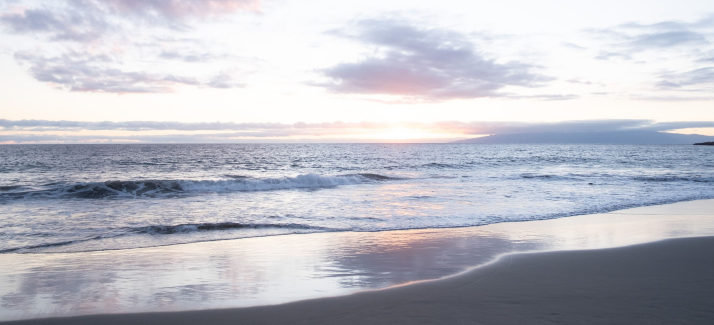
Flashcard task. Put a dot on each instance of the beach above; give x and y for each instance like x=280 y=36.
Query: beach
x=356 y=162
x=667 y=282
x=650 y=265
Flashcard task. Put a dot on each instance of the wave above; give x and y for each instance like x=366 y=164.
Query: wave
x=236 y=176
x=188 y=228
x=10 y=188
x=674 y=179
x=157 y=188
x=165 y=235
x=440 y=165
x=546 y=176
x=664 y=178
x=160 y=230
x=375 y=177
x=48 y=245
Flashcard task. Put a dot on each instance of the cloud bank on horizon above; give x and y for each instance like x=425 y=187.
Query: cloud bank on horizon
x=47 y=131
x=256 y=60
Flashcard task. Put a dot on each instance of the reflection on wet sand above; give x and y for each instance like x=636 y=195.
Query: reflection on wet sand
x=272 y=270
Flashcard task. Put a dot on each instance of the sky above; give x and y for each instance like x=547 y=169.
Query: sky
x=96 y=71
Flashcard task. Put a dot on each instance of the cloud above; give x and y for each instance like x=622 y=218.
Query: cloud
x=673 y=98
x=177 y=9
x=545 y=97
x=81 y=72
x=303 y=128
x=190 y=56
x=39 y=131
x=578 y=81
x=66 y=25
x=50 y=125
x=670 y=126
x=104 y=26
x=702 y=76
x=604 y=125
x=665 y=39
x=632 y=38
x=428 y=64
x=573 y=46
x=691 y=40
x=89 y=20
x=606 y=55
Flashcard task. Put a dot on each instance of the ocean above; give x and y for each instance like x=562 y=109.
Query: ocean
x=79 y=198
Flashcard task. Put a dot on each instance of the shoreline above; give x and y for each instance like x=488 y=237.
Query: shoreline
x=663 y=282
x=269 y=271
x=446 y=228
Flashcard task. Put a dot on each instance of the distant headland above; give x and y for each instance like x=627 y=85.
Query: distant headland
x=606 y=137
x=711 y=143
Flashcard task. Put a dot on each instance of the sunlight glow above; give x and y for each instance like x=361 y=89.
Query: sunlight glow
x=399 y=133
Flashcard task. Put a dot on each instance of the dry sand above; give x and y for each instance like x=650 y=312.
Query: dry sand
x=667 y=282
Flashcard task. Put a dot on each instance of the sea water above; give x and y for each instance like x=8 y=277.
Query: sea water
x=76 y=198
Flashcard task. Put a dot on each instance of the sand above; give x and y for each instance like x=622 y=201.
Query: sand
x=666 y=282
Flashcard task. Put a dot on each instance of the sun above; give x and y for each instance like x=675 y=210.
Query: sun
x=403 y=134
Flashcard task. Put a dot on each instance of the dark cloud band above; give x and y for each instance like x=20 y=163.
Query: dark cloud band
x=300 y=128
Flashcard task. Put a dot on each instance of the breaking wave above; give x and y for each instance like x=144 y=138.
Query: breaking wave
x=156 y=188
x=187 y=228
x=160 y=230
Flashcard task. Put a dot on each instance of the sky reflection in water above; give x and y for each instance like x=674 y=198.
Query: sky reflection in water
x=270 y=270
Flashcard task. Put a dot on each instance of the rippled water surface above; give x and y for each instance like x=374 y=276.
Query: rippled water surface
x=70 y=198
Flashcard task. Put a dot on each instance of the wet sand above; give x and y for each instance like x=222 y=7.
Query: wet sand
x=665 y=282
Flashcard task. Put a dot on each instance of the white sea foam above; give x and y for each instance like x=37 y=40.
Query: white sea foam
x=156 y=188
x=267 y=184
